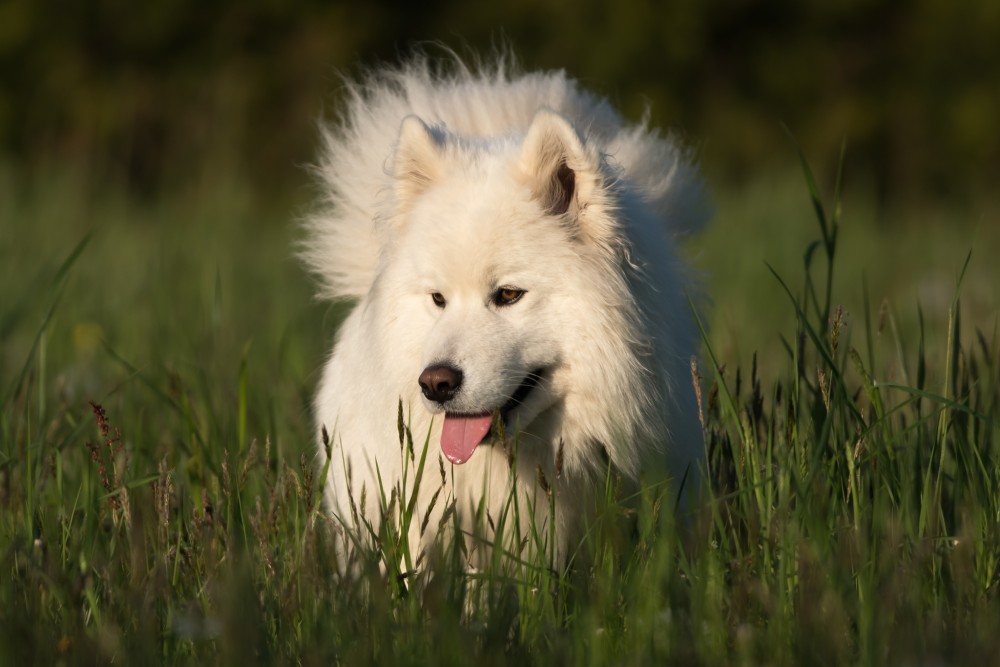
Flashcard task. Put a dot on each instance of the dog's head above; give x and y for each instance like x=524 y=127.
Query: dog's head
x=508 y=265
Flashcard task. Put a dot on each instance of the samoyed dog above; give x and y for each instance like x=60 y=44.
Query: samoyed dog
x=508 y=244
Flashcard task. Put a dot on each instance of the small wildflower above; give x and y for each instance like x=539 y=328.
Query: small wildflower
x=326 y=442
x=824 y=387
x=696 y=381
x=108 y=465
x=542 y=482
x=837 y=326
x=559 y=458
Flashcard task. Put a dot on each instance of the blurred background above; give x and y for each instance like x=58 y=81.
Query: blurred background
x=179 y=132
x=155 y=96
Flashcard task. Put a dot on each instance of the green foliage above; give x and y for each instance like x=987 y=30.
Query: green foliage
x=855 y=515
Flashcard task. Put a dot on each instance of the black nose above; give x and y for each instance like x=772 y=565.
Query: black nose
x=440 y=383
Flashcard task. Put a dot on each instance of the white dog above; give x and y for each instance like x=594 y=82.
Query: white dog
x=508 y=243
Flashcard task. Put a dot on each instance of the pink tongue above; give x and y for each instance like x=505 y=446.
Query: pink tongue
x=461 y=435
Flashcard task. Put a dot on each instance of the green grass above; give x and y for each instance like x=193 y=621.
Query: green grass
x=855 y=516
x=908 y=257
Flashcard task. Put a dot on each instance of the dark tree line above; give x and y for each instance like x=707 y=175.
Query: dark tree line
x=169 y=90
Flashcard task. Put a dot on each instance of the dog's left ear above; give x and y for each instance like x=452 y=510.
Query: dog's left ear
x=560 y=170
x=417 y=160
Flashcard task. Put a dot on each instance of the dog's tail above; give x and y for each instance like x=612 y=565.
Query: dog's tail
x=666 y=176
x=342 y=242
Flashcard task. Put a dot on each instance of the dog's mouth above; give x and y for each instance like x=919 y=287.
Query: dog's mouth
x=462 y=433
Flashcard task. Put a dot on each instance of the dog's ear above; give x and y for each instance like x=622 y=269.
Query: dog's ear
x=559 y=169
x=417 y=160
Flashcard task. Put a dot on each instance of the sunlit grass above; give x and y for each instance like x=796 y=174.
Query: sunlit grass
x=855 y=516
x=907 y=257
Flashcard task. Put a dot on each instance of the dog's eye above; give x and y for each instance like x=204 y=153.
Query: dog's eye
x=439 y=299
x=506 y=296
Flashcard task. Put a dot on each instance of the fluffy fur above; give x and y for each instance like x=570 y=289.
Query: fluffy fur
x=513 y=230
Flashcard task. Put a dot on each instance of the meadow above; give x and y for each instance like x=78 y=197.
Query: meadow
x=159 y=491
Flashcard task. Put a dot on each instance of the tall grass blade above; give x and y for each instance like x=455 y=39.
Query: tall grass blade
x=56 y=291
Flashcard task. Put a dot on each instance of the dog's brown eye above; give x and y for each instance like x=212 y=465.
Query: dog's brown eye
x=439 y=299
x=506 y=296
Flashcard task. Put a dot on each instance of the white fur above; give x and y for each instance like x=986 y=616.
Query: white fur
x=445 y=183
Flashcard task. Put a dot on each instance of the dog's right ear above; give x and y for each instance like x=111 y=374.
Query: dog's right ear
x=565 y=177
x=551 y=156
x=417 y=161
